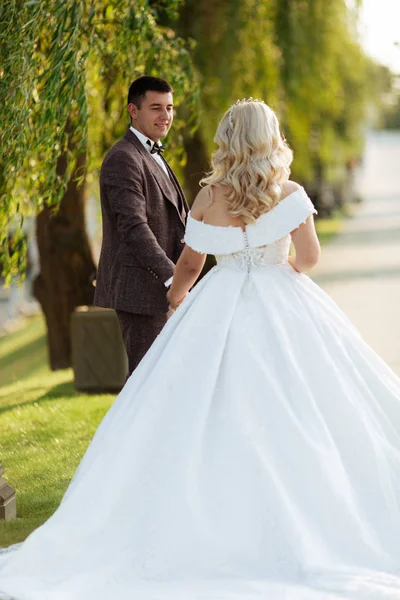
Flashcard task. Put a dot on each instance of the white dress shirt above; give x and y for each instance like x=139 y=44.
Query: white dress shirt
x=148 y=147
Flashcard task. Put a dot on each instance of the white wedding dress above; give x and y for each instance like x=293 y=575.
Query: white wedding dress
x=253 y=455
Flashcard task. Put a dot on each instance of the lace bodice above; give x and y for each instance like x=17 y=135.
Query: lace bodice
x=262 y=244
x=257 y=258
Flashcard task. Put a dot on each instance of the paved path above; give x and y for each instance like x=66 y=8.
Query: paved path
x=360 y=269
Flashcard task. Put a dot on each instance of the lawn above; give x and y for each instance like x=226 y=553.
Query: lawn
x=45 y=427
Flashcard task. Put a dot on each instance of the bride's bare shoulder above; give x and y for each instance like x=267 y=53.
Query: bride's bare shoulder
x=201 y=202
x=205 y=198
x=288 y=188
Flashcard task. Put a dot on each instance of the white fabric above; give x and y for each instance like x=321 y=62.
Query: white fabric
x=271 y=226
x=144 y=139
x=253 y=455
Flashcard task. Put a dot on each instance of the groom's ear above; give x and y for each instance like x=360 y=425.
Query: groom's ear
x=132 y=110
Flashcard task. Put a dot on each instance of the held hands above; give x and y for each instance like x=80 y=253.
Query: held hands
x=173 y=302
x=187 y=271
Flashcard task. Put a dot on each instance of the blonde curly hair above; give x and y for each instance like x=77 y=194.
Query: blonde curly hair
x=252 y=160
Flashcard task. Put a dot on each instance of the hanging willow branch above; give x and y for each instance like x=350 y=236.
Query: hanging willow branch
x=53 y=53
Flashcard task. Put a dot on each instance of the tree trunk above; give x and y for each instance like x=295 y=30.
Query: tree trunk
x=197 y=164
x=67 y=267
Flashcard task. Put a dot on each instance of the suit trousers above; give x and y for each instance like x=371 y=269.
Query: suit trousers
x=138 y=333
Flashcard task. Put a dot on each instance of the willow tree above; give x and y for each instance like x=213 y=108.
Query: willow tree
x=65 y=68
x=323 y=72
x=300 y=56
x=235 y=56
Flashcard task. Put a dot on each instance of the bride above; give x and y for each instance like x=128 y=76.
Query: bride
x=255 y=452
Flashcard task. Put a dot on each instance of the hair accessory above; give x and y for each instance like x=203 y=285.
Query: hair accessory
x=242 y=101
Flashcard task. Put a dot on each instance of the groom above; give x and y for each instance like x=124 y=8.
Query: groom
x=144 y=213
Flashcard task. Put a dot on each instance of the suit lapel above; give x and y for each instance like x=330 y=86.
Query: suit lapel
x=160 y=176
x=178 y=188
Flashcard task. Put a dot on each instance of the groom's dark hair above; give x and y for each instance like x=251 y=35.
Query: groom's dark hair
x=146 y=83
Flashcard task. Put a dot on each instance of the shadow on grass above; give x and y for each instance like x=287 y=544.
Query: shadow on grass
x=23 y=361
x=64 y=390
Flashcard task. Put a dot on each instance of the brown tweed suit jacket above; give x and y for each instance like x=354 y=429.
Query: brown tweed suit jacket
x=144 y=214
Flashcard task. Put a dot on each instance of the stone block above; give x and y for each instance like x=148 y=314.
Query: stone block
x=99 y=357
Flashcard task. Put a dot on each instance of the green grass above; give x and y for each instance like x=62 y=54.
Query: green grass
x=327 y=229
x=330 y=227
x=45 y=428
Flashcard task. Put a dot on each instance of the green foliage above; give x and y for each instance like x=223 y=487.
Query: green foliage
x=65 y=70
x=235 y=55
x=301 y=56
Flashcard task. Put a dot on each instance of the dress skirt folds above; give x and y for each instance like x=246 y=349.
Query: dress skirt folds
x=254 y=453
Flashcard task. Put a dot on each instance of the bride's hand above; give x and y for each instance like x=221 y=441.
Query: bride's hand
x=173 y=303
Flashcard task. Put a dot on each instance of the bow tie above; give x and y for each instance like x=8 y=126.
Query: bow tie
x=156 y=148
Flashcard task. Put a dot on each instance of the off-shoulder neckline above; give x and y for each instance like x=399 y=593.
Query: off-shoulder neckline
x=300 y=189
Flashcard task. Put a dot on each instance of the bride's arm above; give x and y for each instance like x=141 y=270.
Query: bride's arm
x=187 y=270
x=307 y=246
x=190 y=262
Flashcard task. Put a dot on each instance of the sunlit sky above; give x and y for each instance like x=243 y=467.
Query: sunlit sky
x=380 y=29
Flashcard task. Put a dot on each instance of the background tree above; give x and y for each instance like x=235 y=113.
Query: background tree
x=235 y=56
x=54 y=55
x=324 y=78
x=385 y=87
x=300 y=56
x=65 y=69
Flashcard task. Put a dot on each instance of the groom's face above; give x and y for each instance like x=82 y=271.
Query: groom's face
x=155 y=115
